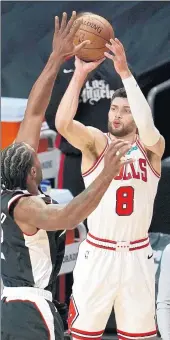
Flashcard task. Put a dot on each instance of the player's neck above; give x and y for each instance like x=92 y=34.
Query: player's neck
x=131 y=137
x=32 y=189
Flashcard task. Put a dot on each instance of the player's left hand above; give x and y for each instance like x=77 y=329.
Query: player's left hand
x=118 y=57
x=63 y=38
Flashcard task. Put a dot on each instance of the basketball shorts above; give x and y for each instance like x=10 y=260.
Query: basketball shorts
x=119 y=275
x=29 y=316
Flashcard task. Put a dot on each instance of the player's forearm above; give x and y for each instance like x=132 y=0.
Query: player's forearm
x=41 y=92
x=79 y=208
x=69 y=103
x=140 y=110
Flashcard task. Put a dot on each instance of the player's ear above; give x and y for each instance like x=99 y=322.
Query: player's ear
x=33 y=172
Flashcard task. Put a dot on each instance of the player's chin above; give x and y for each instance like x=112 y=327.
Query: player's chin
x=118 y=132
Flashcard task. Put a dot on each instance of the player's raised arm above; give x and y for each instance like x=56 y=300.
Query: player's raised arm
x=75 y=132
x=31 y=213
x=39 y=97
x=139 y=106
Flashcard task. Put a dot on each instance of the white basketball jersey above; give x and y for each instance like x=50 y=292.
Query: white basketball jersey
x=125 y=211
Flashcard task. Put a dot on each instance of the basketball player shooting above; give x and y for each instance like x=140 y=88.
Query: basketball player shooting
x=32 y=227
x=115 y=264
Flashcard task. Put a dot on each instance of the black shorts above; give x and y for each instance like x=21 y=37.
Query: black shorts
x=30 y=320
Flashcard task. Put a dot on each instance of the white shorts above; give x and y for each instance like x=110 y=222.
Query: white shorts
x=113 y=274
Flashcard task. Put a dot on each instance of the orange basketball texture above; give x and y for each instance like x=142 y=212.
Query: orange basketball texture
x=96 y=29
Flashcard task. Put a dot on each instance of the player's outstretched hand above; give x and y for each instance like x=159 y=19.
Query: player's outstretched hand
x=64 y=34
x=118 y=57
x=114 y=157
x=86 y=67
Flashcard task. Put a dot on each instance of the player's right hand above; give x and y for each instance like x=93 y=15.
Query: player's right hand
x=63 y=38
x=114 y=157
x=86 y=67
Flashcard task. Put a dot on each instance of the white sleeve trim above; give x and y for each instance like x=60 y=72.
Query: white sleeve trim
x=15 y=198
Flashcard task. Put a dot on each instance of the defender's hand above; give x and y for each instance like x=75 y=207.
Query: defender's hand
x=114 y=157
x=64 y=34
x=118 y=57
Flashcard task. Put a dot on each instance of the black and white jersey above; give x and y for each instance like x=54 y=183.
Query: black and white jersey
x=28 y=261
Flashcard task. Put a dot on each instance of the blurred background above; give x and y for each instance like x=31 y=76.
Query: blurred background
x=144 y=29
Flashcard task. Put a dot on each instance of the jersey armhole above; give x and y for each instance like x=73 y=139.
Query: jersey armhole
x=13 y=202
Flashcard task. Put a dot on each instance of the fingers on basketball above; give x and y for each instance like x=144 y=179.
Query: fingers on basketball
x=98 y=62
x=119 y=43
x=115 y=44
x=96 y=29
x=74 y=28
x=81 y=45
x=110 y=56
x=113 y=48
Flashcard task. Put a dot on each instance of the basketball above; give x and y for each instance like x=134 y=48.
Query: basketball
x=96 y=29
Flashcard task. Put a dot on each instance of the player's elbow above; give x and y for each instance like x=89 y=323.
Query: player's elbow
x=61 y=125
x=67 y=219
x=58 y=224
x=64 y=222
x=57 y=221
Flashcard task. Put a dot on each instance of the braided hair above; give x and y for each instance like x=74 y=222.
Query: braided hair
x=16 y=162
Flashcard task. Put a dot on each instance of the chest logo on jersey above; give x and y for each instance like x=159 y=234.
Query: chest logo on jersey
x=134 y=148
x=137 y=170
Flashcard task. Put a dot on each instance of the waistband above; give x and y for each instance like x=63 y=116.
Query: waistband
x=117 y=245
x=26 y=292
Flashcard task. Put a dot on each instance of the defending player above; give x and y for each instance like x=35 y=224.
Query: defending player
x=32 y=228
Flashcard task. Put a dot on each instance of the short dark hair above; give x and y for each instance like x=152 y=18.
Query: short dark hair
x=16 y=162
x=119 y=93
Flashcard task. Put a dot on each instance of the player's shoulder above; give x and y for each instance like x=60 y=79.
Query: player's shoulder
x=6 y=193
x=96 y=132
x=9 y=198
x=100 y=139
x=39 y=200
